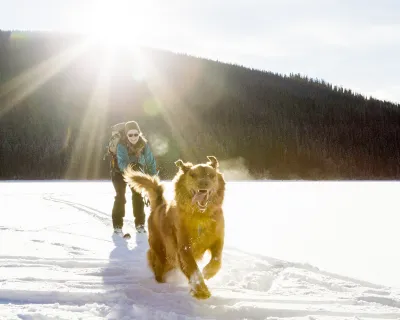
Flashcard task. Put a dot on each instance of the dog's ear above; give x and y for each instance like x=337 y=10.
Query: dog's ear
x=213 y=162
x=182 y=165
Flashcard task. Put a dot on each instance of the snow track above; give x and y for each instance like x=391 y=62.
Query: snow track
x=60 y=260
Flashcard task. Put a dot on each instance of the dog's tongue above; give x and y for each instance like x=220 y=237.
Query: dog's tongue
x=201 y=197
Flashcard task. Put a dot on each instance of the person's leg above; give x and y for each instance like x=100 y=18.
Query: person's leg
x=118 y=211
x=138 y=210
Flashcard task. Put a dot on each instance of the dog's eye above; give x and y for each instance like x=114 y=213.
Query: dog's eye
x=192 y=174
x=211 y=175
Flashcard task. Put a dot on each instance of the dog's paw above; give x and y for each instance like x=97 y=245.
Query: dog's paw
x=159 y=278
x=198 y=289
x=200 y=292
x=211 y=269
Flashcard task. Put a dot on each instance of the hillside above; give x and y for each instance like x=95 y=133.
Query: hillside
x=59 y=94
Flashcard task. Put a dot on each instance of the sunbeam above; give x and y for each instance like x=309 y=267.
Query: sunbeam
x=87 y=148
x=21 y=86
x=173 y=116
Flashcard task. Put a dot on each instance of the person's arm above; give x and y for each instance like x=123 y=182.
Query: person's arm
x=150 y=160
x=122 y=157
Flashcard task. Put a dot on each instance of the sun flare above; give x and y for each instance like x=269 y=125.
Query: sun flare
x=120 y=22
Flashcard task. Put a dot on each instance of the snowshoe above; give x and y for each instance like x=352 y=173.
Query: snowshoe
x=118 y=231
x=140 y=229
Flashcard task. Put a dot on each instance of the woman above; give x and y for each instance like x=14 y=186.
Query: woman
x=132 y=150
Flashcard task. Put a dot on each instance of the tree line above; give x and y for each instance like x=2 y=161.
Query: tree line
x=59 y=95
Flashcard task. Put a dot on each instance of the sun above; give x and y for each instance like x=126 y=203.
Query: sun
x=120 y=22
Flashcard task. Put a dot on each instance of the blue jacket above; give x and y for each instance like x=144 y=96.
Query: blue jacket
x=146 y=159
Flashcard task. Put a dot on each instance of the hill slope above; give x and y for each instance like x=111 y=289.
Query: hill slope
x=59 y=94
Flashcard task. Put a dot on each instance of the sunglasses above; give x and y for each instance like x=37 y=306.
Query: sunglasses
x=133 y=135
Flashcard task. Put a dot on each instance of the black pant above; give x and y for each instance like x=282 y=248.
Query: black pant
x=118 y=211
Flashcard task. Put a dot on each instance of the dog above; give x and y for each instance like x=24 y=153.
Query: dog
x=183 y=229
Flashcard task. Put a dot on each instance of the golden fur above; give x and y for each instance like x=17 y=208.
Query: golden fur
x=182 y=230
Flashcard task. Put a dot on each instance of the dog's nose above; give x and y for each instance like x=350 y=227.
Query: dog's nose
x=203 y=184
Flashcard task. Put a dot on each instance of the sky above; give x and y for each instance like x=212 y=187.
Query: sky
x=349 y=43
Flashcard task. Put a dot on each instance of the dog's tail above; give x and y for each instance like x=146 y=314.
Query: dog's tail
x=152 y=185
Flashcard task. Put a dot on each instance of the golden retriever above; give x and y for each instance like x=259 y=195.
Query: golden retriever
x=182 y=230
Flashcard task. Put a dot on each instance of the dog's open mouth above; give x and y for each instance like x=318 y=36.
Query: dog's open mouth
x=201 y=197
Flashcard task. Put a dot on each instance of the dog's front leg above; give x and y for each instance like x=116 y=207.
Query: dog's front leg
x=198 y=288
x=211 y=269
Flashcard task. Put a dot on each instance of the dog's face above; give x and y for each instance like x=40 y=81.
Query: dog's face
x=200 y=181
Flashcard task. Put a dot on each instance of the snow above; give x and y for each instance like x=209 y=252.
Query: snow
x=294 y=250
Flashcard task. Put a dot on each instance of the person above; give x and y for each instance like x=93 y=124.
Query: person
x=132 y=150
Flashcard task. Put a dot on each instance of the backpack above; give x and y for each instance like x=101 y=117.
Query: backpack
x=117 y=131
